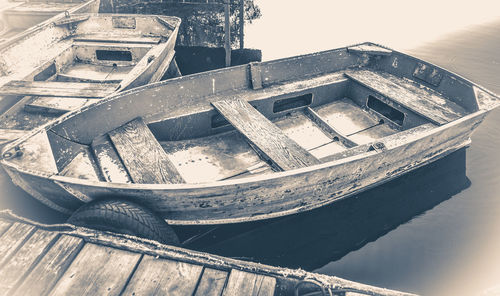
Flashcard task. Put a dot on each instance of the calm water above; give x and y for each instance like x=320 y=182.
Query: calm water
x=435 y=231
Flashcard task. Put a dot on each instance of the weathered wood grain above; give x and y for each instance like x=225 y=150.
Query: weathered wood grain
x=13 y=239
x=4 y=225
x=92 y=73
x=211 y=283
x=163 y=277
x=245 y=283
x=142 y=154
x=50 y=268
x=57 y=89
x=110 y=38
x=269 y=140
x=430 y=105
x=63 y=251
x=97 y=270
x=56 y=105
x=41 y=8
x=30 y=252
x=108 y=160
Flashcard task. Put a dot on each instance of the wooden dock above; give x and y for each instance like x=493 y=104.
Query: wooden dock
x=39 y=259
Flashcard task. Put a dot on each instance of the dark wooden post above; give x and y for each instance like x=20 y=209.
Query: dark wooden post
x=227 y=33
x=242 y=23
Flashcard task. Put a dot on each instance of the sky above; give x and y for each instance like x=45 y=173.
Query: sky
x=289 y=28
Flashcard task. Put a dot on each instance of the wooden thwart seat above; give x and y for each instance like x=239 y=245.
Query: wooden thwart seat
x=108 y=160
x=57 y=89
x=118 y=39
x=265 y=137
x=55 y=105
x=142 y=155
x=429 y=105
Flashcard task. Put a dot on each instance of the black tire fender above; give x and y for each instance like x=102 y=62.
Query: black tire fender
x=123 y=216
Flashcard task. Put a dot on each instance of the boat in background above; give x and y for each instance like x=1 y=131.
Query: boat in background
x=18 y=18
x=77 y=59
x=253 y=142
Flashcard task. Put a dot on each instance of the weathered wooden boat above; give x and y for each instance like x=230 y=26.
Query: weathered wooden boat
x=18 y=18
x=255 y=141
x=76 y=59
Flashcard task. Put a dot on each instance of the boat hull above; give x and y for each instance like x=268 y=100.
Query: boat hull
x=266 y=196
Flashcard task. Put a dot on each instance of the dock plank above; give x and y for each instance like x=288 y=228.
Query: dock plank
x=142 y=154
x=429 y=105
x=108 y=160
x=57 y=89
x=267 y=138
x=97 y=270
x=20 y=264
x=211 y=283
x=244 y=283
x=51 y=267
x=13 y=239
x=163 y=277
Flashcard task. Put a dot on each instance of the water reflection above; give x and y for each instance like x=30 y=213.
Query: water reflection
x=21 y=203
x=313 y=239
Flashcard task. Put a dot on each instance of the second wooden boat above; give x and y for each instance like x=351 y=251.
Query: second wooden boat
x=18 y=18
x=77 y=59
x=256 y=141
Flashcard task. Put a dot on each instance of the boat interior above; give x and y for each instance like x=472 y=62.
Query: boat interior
x=91 y=57
x=255 y=130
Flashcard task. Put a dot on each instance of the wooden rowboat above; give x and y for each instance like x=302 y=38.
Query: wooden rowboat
x=76 y=59
x=255 y=141
x=18 y=18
